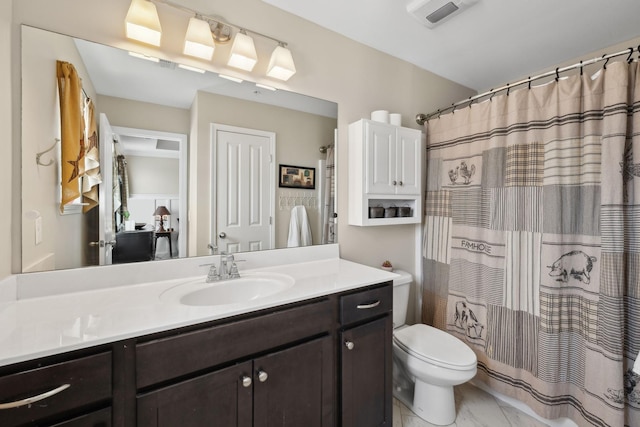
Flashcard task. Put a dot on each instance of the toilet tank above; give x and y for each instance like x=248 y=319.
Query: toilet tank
x=401 y=287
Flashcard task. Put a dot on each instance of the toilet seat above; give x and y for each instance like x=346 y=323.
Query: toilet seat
x=435 y=346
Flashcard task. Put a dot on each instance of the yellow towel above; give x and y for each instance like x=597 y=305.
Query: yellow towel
x=92 y=176
x=72 y=124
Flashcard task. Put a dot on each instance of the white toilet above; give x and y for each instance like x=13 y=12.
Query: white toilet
x=427 y=362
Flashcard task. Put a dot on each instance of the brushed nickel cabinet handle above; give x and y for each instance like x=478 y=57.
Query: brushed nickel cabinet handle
x=246 y=381
x=367 y=306
x=349 y=344
x=33 y=399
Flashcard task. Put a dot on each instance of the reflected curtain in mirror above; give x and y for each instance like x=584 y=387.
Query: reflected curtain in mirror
x=330 y=231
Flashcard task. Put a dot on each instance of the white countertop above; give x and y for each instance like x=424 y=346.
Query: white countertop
x=52 y=324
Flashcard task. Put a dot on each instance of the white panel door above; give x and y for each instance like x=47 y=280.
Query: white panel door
x=106 y=233
x=408 y=161
x=380 y=166
x=245 y=190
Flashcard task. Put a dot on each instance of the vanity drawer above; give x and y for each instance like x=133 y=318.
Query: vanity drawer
x=171 y=357
x=88 y=379
x=366 y=304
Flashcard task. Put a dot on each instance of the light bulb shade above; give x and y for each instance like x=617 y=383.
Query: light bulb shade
x=281 y=65
x=143 y=23
x=161 y=211
x=243 y=53
x=198 y=41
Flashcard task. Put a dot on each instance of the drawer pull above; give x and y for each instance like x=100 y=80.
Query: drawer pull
x=349 y=344
x=262 y=376
x=368 y=306
x=33 y=399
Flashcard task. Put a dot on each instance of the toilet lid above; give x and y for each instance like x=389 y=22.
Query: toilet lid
x=435 y=346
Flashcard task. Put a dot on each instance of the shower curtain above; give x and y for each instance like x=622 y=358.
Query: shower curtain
x=532 y=242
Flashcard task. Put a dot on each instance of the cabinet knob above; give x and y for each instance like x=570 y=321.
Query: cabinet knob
x=262 y=376
x=349 y=345
x=394 y=183
x=400 y=183
x=246 y=381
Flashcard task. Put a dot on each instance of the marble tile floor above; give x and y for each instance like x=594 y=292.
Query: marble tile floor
x=475 y=408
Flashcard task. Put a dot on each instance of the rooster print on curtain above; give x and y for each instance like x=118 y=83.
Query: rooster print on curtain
x=532 y=242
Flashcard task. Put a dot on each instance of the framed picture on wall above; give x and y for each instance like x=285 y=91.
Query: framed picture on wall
x=297 y=177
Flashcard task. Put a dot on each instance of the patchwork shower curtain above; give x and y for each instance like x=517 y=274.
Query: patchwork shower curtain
x=532 y=242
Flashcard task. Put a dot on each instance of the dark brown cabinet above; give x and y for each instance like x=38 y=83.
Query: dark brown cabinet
x=323 y=362
x=366 y=352
x=64 y=393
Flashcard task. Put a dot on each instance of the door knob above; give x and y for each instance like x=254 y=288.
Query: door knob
x=349 y=345
x=246 y=381
x=222 y=235
x=262 y=376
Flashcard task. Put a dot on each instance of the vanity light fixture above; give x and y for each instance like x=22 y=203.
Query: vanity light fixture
x=243 y=52
x=281 y=65
x=203 y=33
x=142 y=22
x=198 y=41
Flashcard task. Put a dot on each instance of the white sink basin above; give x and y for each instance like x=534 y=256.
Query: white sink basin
x=249 y=287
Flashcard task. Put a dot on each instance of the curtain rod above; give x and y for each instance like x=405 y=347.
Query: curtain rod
x=422 y=118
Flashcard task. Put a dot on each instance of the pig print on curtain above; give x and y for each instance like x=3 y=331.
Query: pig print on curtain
x=532 y=242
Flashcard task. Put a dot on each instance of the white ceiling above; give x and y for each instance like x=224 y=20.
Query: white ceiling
x=487 y=45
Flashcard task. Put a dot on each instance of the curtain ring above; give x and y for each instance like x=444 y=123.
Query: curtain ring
x=557 y=74
x=629 y=57
x=492 y=95
x=581 y=68
x=529 y=81
x=508 y=89
x=605 y=62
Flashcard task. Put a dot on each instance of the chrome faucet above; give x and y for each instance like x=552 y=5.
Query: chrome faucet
x=226 y=270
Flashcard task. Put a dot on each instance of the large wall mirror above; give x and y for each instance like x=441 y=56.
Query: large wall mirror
x=173 y=145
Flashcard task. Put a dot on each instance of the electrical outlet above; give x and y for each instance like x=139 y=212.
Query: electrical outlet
x=38 y=230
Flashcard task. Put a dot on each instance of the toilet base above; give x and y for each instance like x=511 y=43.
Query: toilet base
x=434 y=404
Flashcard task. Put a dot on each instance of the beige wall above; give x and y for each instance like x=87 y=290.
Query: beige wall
x=143 y=115
x=358 y=78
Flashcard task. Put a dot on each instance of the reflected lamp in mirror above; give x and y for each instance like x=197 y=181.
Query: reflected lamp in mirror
x=161 y=211
x=281 y=65
x=142 y=22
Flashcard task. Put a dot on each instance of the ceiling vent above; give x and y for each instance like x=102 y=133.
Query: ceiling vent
x=433 y=12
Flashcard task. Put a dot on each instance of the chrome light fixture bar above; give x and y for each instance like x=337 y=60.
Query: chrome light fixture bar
x=203 y=32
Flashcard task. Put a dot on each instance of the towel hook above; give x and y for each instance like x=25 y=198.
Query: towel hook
x=39 y=155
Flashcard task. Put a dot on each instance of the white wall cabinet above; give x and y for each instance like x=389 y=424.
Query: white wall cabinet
x=385 y=170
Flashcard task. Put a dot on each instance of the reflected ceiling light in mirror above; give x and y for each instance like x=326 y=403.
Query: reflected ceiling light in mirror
x=271 y=88
x=142 y=22
x=233 y=79
x=243 y=52
x=143 y=56
x=190 y=68
x=198 y=41
x=281 y=65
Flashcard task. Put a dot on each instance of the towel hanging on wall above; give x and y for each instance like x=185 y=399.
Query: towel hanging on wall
x=299 y=228
x=91 y=163
x=72 y=127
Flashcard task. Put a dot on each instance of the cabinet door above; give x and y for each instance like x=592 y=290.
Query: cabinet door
x=216 y=399
x=366 y=374
x=408 y=161
x=380 y=164
x=293 y=387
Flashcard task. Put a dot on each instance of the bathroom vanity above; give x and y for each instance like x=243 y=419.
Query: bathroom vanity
x=318 y=354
